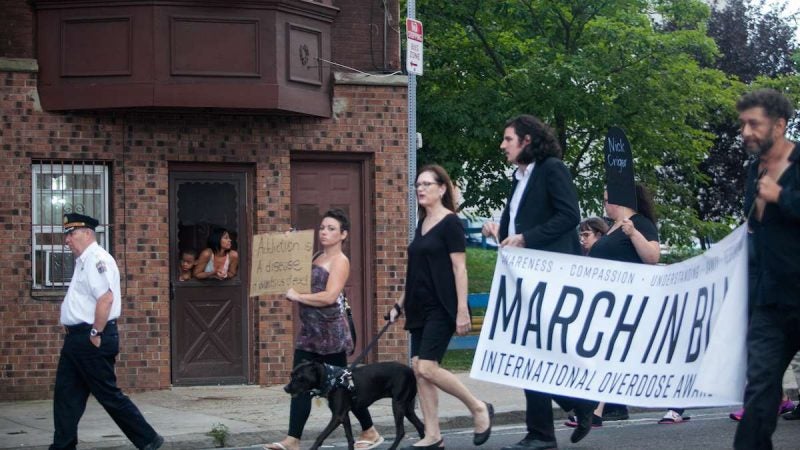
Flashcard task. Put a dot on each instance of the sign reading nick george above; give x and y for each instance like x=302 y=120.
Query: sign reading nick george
x=669 y=336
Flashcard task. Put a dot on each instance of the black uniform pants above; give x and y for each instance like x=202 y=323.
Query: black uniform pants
x=773 y=339
x=84 y=369
x=539 y=413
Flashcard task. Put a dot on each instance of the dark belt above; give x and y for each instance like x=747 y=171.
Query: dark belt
x=86 y=327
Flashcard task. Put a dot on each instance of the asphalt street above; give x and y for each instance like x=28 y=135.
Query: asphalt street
x=708 y=429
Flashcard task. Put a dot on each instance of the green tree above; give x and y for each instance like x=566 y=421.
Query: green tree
x=582 y=66
x=753 y=42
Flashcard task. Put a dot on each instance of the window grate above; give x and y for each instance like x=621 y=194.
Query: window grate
x=61 y=187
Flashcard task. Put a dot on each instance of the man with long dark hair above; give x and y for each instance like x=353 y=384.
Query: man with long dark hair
x=541 y=213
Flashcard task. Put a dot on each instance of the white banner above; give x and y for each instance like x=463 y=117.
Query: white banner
x=633 y=334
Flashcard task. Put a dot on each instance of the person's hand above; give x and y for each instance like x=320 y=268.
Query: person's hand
x=490 y=229
x=768 y=190
x=95 y=340
x=627 y=227
x=394 y=313
x=463 y=322
x=292 y=295
x=513 y=241
x=221 y=274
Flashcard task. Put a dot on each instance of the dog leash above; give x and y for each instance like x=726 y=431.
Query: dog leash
x=372 y=343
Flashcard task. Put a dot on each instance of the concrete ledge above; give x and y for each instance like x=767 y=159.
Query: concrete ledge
x=19 y=65
x=369 y=79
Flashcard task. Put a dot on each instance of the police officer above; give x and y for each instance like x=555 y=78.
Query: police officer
x=89 y=314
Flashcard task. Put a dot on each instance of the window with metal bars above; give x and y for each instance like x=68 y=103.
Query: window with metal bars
x=61 y=187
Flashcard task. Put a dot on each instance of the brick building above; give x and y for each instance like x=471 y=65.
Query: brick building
x=167 y=118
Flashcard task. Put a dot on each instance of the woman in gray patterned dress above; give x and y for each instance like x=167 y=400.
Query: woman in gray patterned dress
x=324 y=331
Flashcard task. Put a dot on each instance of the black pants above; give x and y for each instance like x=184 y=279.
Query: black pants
x=84 y=369
x=300 y=406
x=773 y=339
x=539 y=413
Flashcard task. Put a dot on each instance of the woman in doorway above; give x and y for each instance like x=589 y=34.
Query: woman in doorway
x=324 y=331
x=219 y=261
x=435 y=304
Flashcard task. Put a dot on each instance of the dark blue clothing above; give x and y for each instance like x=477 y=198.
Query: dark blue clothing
x=777 y=237
x=773 y=335
x=548 y=212
x=430 y=270
x=84 y=369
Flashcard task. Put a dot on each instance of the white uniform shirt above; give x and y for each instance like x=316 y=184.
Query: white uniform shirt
x=513 y=205
x=95 y=274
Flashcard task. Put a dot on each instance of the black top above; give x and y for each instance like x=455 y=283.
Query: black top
x=548 y=211
x=617 y=245
x=430 y=271
x=776 y=237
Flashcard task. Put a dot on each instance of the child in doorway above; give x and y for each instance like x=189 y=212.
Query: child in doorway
x=187 y=263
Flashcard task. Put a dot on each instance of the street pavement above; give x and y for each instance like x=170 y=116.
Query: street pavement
x=255 y=415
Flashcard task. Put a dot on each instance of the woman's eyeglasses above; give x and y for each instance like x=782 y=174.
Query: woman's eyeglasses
x=586 y=234
x=425 y=184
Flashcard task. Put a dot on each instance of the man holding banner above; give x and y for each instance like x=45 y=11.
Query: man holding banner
x=541 y=213
x=772 y=205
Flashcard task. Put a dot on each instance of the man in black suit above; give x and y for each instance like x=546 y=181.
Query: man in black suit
x=541 y=213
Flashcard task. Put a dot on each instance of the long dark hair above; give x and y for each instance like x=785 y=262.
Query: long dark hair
x=215 y=238
x=441 y=177
x=644 y=203
x=543 y=140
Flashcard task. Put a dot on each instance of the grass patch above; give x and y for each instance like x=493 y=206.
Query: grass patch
x=458 y=360
x=480 y=267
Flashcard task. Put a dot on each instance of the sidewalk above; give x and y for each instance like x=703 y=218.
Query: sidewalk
x=253 y=415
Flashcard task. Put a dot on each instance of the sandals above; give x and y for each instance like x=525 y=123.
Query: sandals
x=364 y=444
x=672 y=417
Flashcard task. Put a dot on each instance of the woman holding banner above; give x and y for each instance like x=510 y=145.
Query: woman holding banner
x=324 y=331
x=435 y=304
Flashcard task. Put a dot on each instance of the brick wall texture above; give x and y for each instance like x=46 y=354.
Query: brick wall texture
x=139 y=147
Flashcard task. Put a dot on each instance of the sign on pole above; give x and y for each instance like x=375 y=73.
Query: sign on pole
x=413 y=47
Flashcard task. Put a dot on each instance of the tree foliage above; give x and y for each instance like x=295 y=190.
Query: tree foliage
x=756 y=47
x=582 y=66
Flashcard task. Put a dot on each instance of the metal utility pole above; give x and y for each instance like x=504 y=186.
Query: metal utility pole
x=412 y=140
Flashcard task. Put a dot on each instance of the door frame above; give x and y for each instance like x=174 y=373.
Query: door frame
x=248 y=334
x=366 y=161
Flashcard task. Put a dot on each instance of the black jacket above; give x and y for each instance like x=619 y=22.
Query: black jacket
x=548 y=214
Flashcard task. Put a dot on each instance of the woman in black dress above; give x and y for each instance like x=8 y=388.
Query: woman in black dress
x=435 y=304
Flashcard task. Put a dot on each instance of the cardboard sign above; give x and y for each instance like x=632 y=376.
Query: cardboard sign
x=620 y=185
x=281 y=261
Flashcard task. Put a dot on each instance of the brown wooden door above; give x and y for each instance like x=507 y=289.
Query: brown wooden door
x=208 y=317
x=319 y=185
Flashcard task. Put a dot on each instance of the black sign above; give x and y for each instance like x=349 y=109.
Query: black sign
x=619 y=169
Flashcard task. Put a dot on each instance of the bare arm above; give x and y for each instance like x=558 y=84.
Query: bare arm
x=200 y=268
x=233 y=268
x=649 y=251
x=101 y=311
x=459 y=261
x=339 y=272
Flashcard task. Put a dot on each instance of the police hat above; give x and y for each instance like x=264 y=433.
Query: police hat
x=75 y=220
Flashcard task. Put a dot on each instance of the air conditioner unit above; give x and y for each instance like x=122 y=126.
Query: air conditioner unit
x=58 y=268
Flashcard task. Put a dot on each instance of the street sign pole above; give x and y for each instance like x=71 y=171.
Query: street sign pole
x=412 y=138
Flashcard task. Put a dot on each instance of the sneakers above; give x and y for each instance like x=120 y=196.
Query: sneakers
x=672 y=417
x=786 y=407
x=793 y=414
x=572 y=421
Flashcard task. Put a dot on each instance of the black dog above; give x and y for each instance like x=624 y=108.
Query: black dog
x=360 y=388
